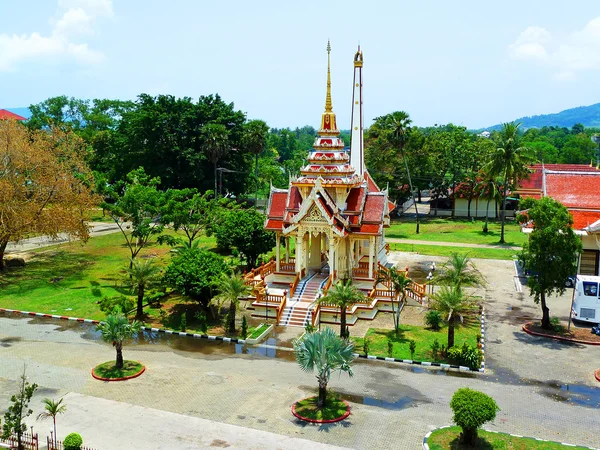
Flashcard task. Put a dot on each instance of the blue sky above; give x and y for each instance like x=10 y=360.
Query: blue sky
x=468 y=62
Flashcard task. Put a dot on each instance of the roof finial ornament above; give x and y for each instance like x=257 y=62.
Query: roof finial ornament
x=328 y=106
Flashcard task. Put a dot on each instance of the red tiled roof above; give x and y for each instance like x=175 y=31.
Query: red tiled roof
x=535 y=179
x=577 y=190
x=277 y=204
x=274 y=224
x=355 y=199
x=370 y=183
x=369 y=228
x=353 y=219
x=295 y=199
x=5 y=115
x=374 y=206
x=582 y=219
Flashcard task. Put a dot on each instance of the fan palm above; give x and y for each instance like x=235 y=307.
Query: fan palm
x=326 y=353
x=342 y=295
x=230 y=288
x=255 y=138
x=399 y=283
x=510 y=160
x=455 y=307
x=215 y=138
x=459 y=271
x=116 y=328
x=141 y=274
x=51 y=410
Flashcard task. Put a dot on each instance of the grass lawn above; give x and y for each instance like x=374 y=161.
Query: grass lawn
x=108 y=369
x=447 y=438
x=253 y=333
x=334 y=408
x=456 y=230
x=423 y=337
x=442 y=250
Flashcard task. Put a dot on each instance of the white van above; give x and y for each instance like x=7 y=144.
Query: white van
x=586 y=302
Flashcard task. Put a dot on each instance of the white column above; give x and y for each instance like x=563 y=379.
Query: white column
x=305 y=247
x=287 y=249
x=277 y=255
x=298 y=253
x=331 y=255
x=371 y=254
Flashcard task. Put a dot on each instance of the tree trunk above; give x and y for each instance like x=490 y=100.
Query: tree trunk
x=487 y=214
x=322 y=395
x=469 y=207
x=256 y=175
x=468 y=436
x=140 y=302
x=3 y=245
x=231 y=317
x=119 y=348
x=503 y=212
x=419 y=195
x=54 y=418
x=215 y=163
x=343 y=323
x=412 y=193
x=545 y=312
x=450 y=334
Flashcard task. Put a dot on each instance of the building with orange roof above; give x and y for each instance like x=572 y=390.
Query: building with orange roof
x=5 y=114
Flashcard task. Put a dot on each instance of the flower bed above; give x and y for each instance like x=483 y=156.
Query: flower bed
x=580 y=335
x=108 y=372
x=335 y=410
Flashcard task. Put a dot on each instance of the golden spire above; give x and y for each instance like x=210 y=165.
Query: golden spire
x=328 y=106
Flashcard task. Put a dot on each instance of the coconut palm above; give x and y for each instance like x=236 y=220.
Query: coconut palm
x=141 y=274
x=342 y=295
x=510 y=161
x=215 y=139
x=455 y=306
x=490 y=188
x=398 y=283
x=459 y=271
x=395 y=128
x=255 y=138
x=230 y=288
x=326 y=353
x=51 y=410
x=116 y=328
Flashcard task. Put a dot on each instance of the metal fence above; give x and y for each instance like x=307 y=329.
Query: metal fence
x=59 y=445
x=29 y=441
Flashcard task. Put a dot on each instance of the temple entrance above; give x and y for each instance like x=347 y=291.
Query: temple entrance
x=316 y=253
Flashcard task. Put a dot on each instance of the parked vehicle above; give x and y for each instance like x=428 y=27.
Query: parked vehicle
x=586 y=300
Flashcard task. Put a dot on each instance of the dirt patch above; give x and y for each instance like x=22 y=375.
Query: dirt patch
x=575 y=334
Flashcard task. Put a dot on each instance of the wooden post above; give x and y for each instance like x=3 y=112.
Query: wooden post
x=371 y=255
x=277 y=251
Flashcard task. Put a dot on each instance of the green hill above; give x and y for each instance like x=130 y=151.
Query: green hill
x=589 y=116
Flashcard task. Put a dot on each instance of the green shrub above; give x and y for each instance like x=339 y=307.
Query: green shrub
x=466 y=355
x=183 y=324
x=73 y=441
x=202 y=321
x=390 y=347
x=310 y=328
x=435 y=348
x=412 y=346
x=108 y=304
x=556 y=325
x=366 y=346
x=244 y=332
x=433 y=320
x=471 y=410
x=163 y=317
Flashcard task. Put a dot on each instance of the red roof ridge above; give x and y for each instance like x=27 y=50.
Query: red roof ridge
x=5 y=114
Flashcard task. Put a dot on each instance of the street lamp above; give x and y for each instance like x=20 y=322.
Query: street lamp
x=596 y=140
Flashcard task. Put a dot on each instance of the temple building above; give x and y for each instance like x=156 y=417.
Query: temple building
x=333 y=211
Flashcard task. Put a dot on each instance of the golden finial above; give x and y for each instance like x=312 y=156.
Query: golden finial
x=328 y=106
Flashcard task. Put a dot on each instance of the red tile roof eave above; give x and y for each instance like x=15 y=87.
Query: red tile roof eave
x=6 y=115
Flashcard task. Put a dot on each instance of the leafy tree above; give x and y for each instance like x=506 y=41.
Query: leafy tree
x=254 y=140
x=326 y=353
x=45 y=185
x=510 y=160
x=230 y=288
x=215 y=138
x=398 y=283
x=116 y=328
x=243 y=230
x=550 y=255
x=73 y=441
x=459 y=271
x=192 y=272
x=141 y=275
x=18 y=411
x=455 y=307
x=471 y=410
x=135 y=207
x=342 y=295
x=51 y=410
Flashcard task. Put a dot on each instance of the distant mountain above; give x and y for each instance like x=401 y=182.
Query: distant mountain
x=589 y=116
x=20 y=111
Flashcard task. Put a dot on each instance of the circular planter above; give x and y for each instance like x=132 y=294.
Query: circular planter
x=128 y=377
x=307 y=419
x=558 y=338
x=597 y=374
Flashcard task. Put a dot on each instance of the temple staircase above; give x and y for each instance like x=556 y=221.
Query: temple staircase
x=297 y=312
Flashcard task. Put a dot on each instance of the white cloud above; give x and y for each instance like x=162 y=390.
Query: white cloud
x=566 y=55
x=76 y=18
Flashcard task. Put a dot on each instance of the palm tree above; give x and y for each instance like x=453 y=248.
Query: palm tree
x=327 y=353
x=395 y=128
x=510 y=160
x=399 y=283
x=51 y=410
x=459 y=271
x=342 y=295
x=489 y=187
x=116 y=329
x=255 y=138
x=215 y=139
x=230 y=288
x=141 y=274
x=456 y=308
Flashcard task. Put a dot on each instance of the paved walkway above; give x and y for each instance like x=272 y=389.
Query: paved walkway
x=451 y=244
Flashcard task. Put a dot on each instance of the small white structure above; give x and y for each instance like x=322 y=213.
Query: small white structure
x=586 y=299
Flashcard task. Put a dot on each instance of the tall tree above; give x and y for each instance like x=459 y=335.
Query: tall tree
x=18 y=411
x=45 y=185
x=459 y=271
x=141 y=275
x=455 y=306
x=399 y=284
x=510 y=160
x=550 y=255
x=215 y=138
x=254 y=141
x=326 y=353
x=52 y=409
x=342 y=295
x=230 y=288
x=395 y=128
x=116 y=329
